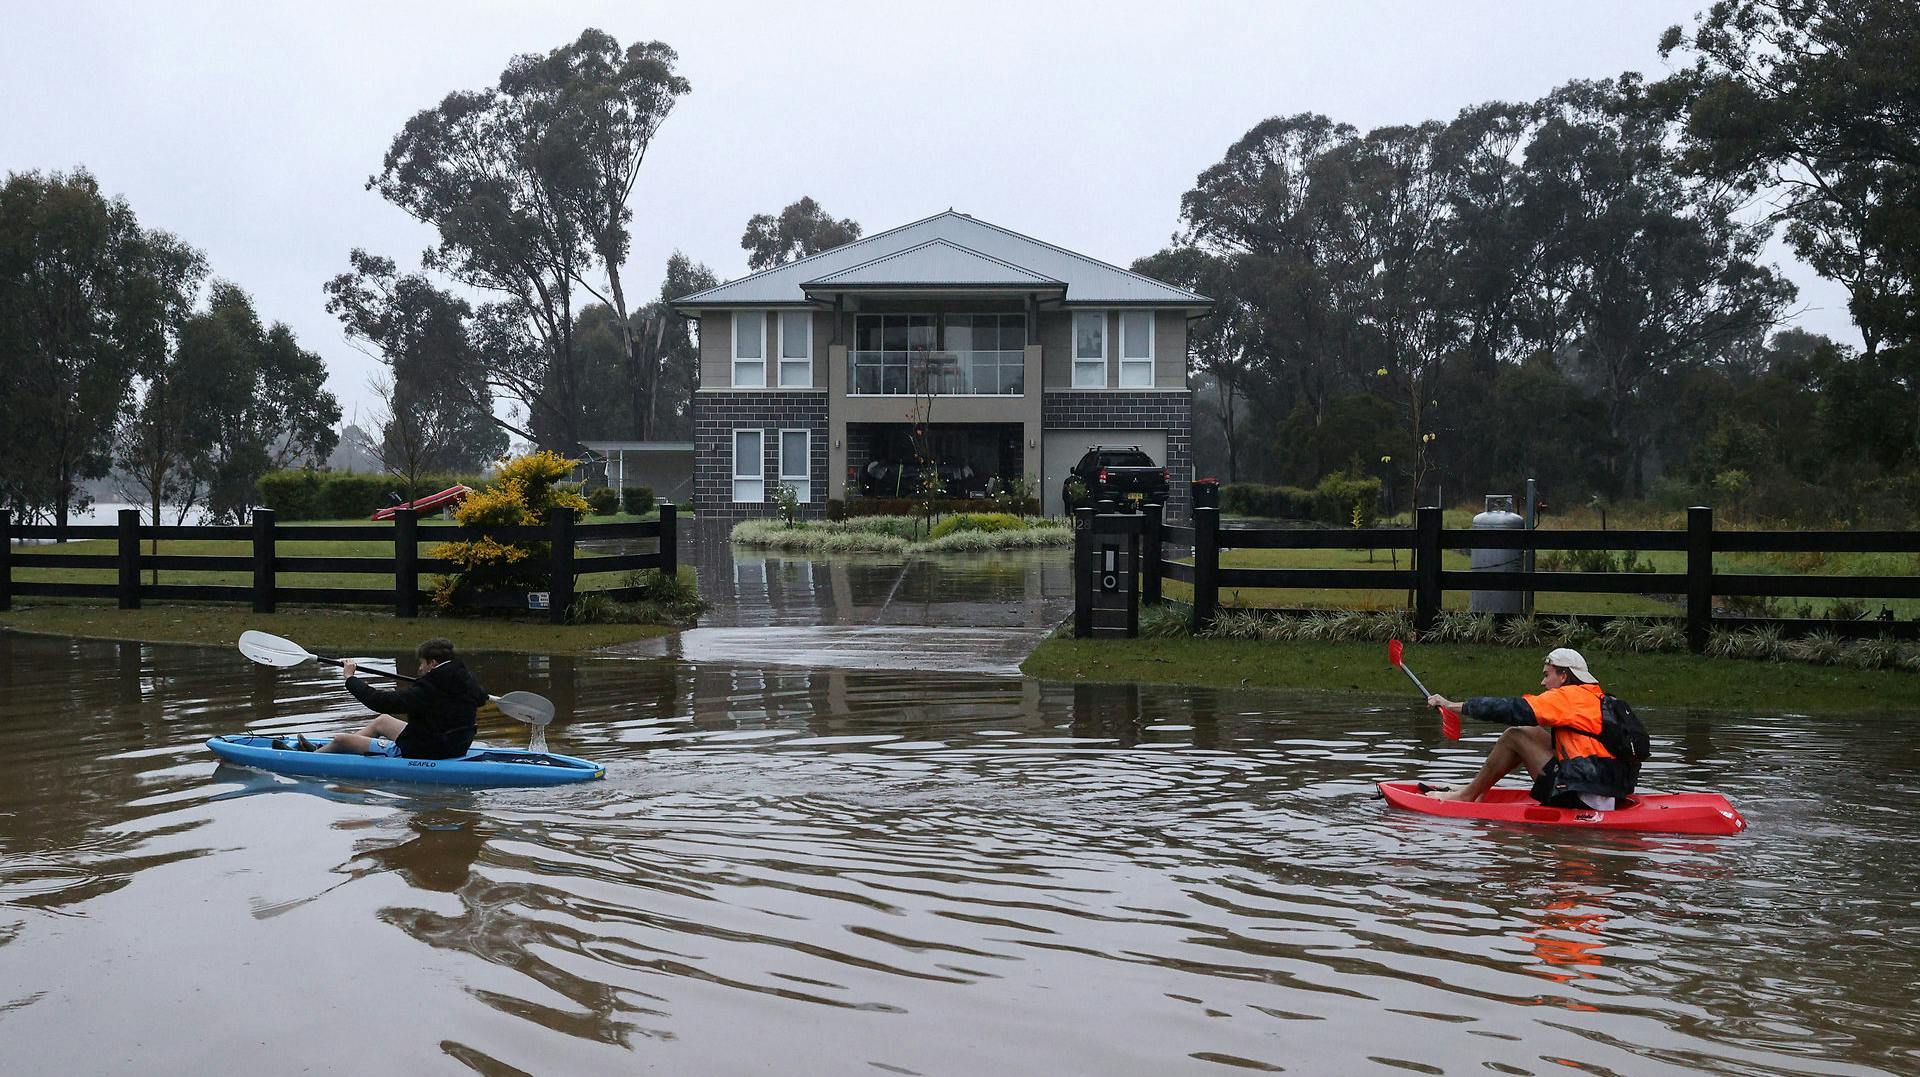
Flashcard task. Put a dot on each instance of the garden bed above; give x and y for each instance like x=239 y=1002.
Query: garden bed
x=964 y=533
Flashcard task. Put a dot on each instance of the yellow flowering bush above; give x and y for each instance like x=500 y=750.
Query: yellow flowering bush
x=524 y=493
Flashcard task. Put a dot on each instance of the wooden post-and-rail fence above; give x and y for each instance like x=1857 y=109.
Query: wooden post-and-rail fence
x=266 y=564
x=1429 y=580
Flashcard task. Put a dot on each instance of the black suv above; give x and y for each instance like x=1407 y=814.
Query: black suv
x=1121 y=473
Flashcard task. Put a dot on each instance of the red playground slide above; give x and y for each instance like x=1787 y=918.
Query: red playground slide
x=428 y=503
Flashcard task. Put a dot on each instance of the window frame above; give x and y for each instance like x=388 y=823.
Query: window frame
x=782 y=361
x=1087 y=363
x=759 y=474
x=740 y=360
x=802 y=483
x=1137 y=361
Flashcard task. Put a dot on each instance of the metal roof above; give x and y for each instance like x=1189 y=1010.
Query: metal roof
x=935 y=262
x=965 y=244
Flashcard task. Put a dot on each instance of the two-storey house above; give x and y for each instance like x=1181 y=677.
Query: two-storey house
x=951 y=338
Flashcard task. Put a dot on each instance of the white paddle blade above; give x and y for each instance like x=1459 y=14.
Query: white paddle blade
x=532 y=709
x=272 y=650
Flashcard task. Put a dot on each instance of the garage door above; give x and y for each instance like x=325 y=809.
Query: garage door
x=1061 y=449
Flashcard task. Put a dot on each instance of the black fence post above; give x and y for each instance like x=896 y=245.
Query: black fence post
x=263 y=581
x=1699 y=577
x=129 y=559
x=6 y=560
x=560 y=587
x=669 y=540
x=1426 y=567
x=1083 y=568
x=406 y=563
x=1150 y=554
x=1206 y=568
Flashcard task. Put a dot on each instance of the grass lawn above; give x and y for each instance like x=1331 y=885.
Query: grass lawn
x=1459 y=670
x=340 y=631
x=1774 y=564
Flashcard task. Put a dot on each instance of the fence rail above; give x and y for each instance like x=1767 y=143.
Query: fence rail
x=1696 y=587
x=563 y=535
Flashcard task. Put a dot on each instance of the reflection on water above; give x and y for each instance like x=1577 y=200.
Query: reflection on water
x=829 y=872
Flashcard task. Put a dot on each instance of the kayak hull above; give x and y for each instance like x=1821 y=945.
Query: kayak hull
x=427 y=503
x=1654 y=813
x=481 y=767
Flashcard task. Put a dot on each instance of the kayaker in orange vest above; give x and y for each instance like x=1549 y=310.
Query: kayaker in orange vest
x=1556 y=735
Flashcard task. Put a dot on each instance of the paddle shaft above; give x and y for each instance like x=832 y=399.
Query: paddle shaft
x=1401 y=666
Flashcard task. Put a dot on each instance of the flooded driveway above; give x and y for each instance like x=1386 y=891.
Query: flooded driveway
x=961 y=613
x=801 y=871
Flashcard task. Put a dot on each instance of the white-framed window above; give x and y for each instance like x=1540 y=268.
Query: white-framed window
x=1136 y=349
x=1089 y=349
x=795 y=446
x=749 y=466
x=750 y=349
x=796 y=349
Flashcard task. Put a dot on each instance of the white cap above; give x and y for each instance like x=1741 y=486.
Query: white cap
x=1569 y=659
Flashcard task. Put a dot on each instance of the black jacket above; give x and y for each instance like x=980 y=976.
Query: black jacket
x=439 y=709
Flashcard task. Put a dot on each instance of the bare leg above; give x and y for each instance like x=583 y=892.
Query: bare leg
x=384 y=725
x=1529 y=746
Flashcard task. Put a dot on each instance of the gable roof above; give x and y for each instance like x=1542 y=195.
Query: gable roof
x=944 y=245
x=935 y=262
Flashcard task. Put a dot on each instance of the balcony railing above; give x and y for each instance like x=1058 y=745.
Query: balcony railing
x=937 y=373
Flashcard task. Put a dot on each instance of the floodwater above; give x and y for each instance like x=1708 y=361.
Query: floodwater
x=795 y=870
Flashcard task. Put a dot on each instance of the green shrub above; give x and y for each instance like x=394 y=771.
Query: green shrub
x=977 y=521
x=637 y=499
x=1340 y=497
x=603 y=502
x=1275 y=502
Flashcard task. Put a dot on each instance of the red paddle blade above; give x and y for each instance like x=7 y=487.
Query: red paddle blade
x=1449 y=723
x=1393 y=651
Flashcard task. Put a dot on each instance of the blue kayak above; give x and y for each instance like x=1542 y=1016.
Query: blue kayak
x=482 y=766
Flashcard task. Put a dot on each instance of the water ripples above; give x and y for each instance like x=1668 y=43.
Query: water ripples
x=829 y=872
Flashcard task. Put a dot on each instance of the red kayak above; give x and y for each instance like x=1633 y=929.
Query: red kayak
x=1659 y=813
x=427 y=503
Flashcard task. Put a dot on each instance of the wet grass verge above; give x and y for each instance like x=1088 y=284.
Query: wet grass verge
x=1459 y=670
x=323 y=630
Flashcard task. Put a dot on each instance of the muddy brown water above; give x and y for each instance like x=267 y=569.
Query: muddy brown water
x=810 y=871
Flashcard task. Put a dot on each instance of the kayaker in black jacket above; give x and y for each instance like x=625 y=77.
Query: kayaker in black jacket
x=439 y=709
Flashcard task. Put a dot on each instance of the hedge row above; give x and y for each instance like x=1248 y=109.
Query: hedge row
x=1331 y=502
x=344 y=495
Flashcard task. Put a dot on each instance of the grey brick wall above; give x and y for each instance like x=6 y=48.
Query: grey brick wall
x=1099 y=410
x=716 y=415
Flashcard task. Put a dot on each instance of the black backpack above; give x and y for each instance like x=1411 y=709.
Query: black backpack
x=1622 y=732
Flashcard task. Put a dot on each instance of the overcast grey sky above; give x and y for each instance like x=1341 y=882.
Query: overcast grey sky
x=249 y=129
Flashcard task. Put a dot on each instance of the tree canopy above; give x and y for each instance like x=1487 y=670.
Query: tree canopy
x=799 y=230
x=527 y=183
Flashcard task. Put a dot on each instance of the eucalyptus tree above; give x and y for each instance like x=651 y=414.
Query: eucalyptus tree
x=151 y=444
x=528 y=183
x=71 y=313
x=260 y=401
x=1658 y=271
x=1817 y=104
x=438 y=405
x=803 y=228
x=660 y=372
